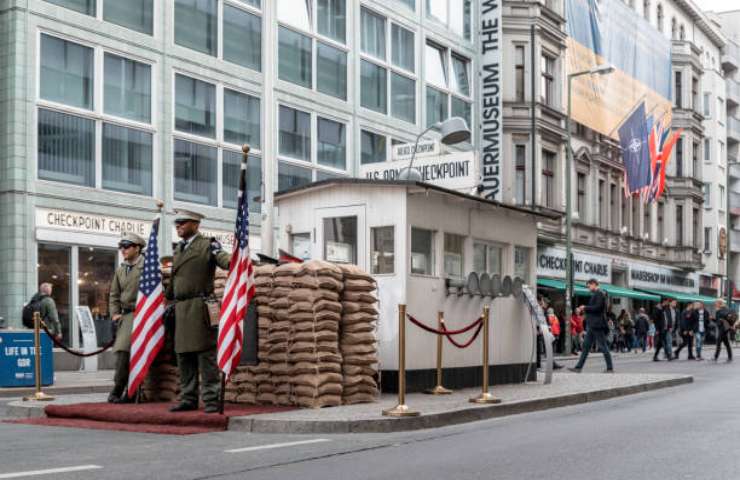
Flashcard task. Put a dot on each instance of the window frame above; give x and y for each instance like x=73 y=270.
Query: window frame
x=448 y=54
x=97 y=114
x=218 y=141
x=371 y=250
x=447 y=23
x=157 y=10
x=433 y=252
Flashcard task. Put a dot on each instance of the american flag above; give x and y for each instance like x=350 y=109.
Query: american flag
x=239 y=288
x=148 y=329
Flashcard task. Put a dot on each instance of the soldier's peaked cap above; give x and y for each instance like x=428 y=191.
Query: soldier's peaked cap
x=128 y=237
x=185 y=215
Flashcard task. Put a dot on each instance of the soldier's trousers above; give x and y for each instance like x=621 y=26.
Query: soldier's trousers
x=120 y=376
x=193 y=364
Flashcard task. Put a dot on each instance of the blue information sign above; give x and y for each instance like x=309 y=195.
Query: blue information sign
x=17 y=361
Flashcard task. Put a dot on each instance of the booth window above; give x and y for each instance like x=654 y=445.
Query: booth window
x=487 y=258
x=340 y=239
x=382 y=256
x=422 y=251
x=521 y=263
x=300 y=244
x=453 y=255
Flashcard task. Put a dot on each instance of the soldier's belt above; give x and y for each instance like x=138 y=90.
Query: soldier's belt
x=190 y=297
x=125 y=311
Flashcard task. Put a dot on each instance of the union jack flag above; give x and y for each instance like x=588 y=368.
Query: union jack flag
x=147 y=336
x=239 y=288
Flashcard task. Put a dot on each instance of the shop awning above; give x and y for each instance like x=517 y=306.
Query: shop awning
x=560 y=285
x=615 y=291
x=682 y=297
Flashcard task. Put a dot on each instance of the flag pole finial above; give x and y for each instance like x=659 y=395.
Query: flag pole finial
x=246 y=148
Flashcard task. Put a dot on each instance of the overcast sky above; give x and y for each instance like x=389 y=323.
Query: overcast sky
x=718 y=5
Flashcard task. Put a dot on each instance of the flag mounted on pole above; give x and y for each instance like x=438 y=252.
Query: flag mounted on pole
x=147 y=336
x=239 y=288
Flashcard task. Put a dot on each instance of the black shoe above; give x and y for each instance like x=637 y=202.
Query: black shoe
x=656 y=359
x=113 y=398
x=574 y=369
x=124 y=399
x=183 y=407
x=212 y=409
x=608 y=370
x=556 y=366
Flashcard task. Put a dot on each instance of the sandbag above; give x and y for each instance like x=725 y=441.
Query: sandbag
x=317 y=380
x=354 y=380
x=362 y=297
x=358 y=349
x=286 y=269
x=360 y=359
x=359 y=317
x=319 y=402
x=361 y=388
x=350 y=271
x=309 y=295
x=359 y=397
x=351 y=285
x=350 y=370
x=320 y=267
x=349 y=338
x=359 y=327
x=248 y=398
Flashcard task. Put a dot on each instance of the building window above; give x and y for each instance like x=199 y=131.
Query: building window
x=678 y=91
x=134 y=14
x=332 y=19
x=659 y=14
x=613 y=207
x=625 y=214
x=646 y=9
x=242 y=37
x=487 y=258
x=695 y=93
x=241 y=119
x=195 y=106
x=520 y=155
x=707 y=190
x=294 y=58
x=547 y=87
x=455 y=14
x=679 y=157
x=291 y=176
x=674 y=31
x=697 y=229
x=448 y=84
x=707 y=150
x=635 y=217
x=117 y=138
x=519 y=80
x=83 y=6
x=581 y=198
x=548 y=177
x=646 y=222
x=661 y=231
x=340 y=239
x=295 y=134
x=196 y=169
x=720 y=110
x=679 y=225
x=422 y=251
x=521 y=263
x=454 y=246
x=331 y=144
x=721 y=197
x=382 y=254
x=695 y=160
x=601 y=206
x=707 y=104
x=331 y=71
x=707 y=239
x=721 y=148
x=196 y=25
x=682 y=33
x=232 y=160
x=373 y=147
x=387 y=69
x=409 y=3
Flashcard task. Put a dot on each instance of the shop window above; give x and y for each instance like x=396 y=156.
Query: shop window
x=127 y=88
x=340 y=239
x=195 y=172
x=195 y=106
x=196 y=25
x=422 y=251
x=232 y=165
x=382 y=254
x=373 y=147
x=292 y=176
x=241 y=119
x=454 y=247
x=95 y=269
x=134 y=14
x=83 y=6
x=54 y=267
x=242 y=37
x=521 y=263
x=66 y=72
x=487 y=258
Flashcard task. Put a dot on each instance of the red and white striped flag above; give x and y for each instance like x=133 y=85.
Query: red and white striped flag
x=147 y=336
x=239 y=288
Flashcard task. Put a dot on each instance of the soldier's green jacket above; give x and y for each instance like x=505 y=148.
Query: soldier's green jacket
x=192 y=278
x=123 y=292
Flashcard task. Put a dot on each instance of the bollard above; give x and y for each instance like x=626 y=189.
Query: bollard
x=439 y=389
x=401 y=410
x=39 y=395
x=485 y=396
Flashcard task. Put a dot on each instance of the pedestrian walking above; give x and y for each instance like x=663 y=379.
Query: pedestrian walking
x=576 y=332
x=628 y=328
x=43 y=303
x=672 y=318
x=193 y=267
x=642 y=327
x=700 y=321
x=726 y=325
x=660 y=319
x=124 y=290
x=651 y=334
x=686 y=329
x=597 y=327
x=554 y=323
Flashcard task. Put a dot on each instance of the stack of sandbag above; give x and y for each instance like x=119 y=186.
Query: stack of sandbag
x=263 y=298
x=315 y=312
x=242 y=386
x=357 y=341
x=279 y=332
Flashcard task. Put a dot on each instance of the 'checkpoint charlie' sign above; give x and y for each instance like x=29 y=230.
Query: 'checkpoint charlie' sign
x=491 y=106
x=58 y=219
x=455 y=171
x=551 y=263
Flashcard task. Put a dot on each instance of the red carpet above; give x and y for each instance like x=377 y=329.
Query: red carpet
x=144 y=417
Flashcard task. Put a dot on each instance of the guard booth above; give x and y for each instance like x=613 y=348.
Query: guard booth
x=419 y=240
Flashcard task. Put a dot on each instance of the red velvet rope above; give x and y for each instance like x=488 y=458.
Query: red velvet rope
x=469 y=342
x=445 y=331
x=74 y=352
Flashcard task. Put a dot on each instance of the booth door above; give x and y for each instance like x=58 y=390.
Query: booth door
x=341 y=235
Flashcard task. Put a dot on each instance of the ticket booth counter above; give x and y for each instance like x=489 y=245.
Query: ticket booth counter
x=413 y=238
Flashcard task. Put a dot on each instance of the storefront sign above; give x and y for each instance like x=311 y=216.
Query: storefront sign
x=551 y=263
x=649 y=276
x=491 y=107
x=89 y=223
x=455 y=171
x=405 y=151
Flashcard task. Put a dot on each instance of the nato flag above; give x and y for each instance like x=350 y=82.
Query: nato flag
x=633 y=138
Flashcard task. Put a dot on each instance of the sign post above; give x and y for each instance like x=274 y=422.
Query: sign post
x=89 y=339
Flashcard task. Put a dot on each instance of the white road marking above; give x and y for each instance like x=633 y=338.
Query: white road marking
x=50 y=471
x=276 y=445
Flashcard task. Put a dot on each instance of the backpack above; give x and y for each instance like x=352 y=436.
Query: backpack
x=33 y=305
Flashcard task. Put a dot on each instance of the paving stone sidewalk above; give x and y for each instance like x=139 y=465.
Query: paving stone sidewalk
x=68 y=382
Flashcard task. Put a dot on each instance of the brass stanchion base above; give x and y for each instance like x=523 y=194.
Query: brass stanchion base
x=485 y=398
x=39 y=397
x=400 y=411
x=438 y=390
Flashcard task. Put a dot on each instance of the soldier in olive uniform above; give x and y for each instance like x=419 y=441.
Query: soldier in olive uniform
x=193 y=268
x=122 y=301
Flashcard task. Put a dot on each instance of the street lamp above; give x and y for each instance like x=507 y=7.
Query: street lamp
x=603 y=69
x=453 y=130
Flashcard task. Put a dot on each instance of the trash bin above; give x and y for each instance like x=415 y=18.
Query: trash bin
x=17 y=360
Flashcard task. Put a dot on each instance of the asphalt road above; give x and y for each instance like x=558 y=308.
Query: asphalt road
x=687 y=432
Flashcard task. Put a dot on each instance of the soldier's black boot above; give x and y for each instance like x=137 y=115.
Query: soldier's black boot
x=183 y=407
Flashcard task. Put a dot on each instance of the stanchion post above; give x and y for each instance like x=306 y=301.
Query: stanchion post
x=439 y=389
x=39 y=395
x=401 y=410
x=485 y=396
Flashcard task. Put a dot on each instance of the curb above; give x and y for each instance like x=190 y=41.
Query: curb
x=436 y=420
x=81 y=389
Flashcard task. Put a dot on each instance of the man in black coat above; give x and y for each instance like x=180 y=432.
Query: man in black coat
x=686 y=329
x=597 y=327
x=661 y=330
x=725 y=324
x=700 y=323
x=641 y=329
